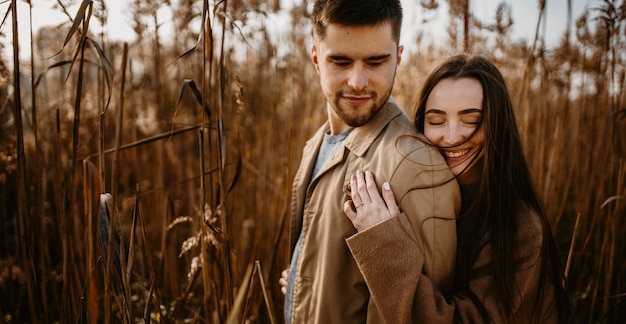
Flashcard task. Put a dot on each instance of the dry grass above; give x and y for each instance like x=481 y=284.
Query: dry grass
x=197 y=142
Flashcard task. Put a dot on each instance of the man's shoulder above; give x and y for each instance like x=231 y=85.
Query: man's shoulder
x=399 y=123
x=402 y=140
x=403 y=129
x=404 y=124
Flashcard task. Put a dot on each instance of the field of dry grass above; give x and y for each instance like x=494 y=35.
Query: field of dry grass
x=197 y=139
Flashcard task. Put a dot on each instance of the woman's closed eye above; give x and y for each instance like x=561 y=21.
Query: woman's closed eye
x=435 y=123
x=472 y=116
x=473 y=119
x=435 y=120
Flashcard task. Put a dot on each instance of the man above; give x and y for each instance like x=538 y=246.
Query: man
x=356 y=53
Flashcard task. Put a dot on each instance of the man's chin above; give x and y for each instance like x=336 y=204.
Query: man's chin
x=357 y=121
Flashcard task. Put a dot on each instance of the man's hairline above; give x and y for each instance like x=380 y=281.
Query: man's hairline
x=318 y=38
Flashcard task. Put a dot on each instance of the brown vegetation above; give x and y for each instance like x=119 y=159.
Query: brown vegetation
x=197 y=139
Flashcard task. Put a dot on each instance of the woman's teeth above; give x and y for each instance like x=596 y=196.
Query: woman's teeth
x=456 y=154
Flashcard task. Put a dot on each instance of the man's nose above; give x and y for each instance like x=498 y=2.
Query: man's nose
x=357 y=79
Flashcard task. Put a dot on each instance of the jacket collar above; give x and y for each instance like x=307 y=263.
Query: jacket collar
x=362 y=137
x=358 y=142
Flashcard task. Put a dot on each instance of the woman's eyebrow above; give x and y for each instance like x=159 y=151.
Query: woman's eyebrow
x=470 y=111
x=435 y=111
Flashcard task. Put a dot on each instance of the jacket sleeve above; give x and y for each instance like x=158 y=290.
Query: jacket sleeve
x=393 y=267
x=430 y=198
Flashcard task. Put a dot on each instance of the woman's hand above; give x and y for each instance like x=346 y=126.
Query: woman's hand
x=283 y=281
x=367 y=208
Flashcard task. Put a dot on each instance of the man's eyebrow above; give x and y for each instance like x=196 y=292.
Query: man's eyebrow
x=378 y=57
x=340 y=57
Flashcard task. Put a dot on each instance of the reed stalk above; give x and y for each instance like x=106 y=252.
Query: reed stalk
x=24 y=241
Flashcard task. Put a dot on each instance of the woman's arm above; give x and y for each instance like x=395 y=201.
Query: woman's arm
x=387 y=252
x=393 y=267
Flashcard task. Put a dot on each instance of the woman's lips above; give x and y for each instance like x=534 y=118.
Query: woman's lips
x=456 y=155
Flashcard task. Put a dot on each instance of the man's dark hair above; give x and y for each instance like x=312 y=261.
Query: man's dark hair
x=353 y=13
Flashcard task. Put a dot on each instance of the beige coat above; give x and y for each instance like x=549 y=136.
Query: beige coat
x=329 y=287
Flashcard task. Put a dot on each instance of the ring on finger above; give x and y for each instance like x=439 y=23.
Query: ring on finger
x=359 y=205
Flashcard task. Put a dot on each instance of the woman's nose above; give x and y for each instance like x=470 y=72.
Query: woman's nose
x=454 y=135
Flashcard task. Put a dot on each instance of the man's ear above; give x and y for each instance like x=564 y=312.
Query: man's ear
x=400 y=50
x=314 y=58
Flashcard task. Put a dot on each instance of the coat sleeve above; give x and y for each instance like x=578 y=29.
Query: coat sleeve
x=393 y=267
x=430 y=198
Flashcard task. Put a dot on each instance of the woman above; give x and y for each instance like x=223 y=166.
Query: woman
x=507 y=268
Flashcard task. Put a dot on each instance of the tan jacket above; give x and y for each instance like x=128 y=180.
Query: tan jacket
x=329 y=287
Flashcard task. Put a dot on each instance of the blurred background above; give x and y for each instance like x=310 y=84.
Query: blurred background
x=147 y=148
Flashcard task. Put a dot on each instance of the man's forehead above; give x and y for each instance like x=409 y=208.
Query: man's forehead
x=369 y=38
x=334 y=28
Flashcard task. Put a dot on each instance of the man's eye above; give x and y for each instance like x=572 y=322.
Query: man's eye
x=342 y=63
x=376 y=63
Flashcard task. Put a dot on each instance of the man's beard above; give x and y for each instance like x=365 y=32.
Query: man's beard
x=357 y=119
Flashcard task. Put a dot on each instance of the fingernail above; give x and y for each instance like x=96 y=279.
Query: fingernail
x=386 y=186
x=358 y=172
x=367 y=172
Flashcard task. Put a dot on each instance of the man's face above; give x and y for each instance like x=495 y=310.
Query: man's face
x=357 y=67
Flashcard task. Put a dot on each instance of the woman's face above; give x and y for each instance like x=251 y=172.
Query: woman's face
x=453 y=112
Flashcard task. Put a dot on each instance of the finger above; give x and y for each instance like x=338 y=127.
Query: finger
x=349 y=209
x=372 y=191
x=390 y=200
x=354 y=192
x=283 y=281
x=362 y=187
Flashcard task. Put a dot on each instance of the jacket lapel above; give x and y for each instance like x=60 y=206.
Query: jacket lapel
x=301 y=183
